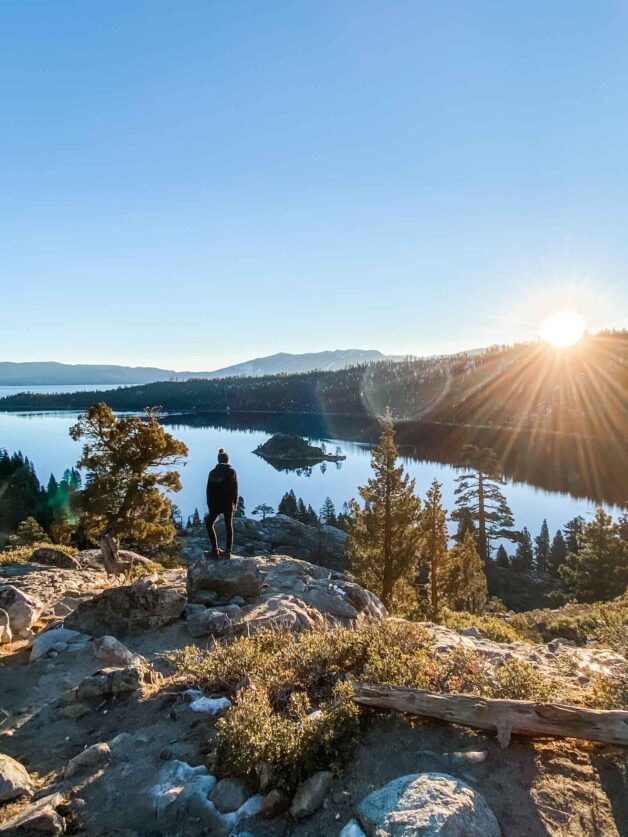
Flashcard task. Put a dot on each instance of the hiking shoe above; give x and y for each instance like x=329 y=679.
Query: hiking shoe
x=225 y=554
x=215 y=553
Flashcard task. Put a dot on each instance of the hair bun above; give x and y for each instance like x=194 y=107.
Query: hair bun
x=221 y=450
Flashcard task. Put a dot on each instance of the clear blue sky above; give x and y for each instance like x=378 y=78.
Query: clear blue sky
x=189 y=184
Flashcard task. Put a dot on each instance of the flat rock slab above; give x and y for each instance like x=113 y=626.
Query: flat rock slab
x=427 y=804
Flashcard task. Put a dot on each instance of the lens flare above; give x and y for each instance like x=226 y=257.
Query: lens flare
x=563 y=328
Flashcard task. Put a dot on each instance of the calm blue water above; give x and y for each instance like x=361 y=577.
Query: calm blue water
x=44 y=438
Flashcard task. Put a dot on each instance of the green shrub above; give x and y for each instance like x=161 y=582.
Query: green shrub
x=610 y=691
x=278 y=679
x=292 y=742
x=491 y=627
x=518 y=680
x=22 y=554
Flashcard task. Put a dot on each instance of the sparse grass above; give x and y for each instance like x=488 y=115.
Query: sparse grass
x=21 y=554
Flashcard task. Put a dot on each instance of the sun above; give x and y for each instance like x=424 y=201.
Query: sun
x=563 y=328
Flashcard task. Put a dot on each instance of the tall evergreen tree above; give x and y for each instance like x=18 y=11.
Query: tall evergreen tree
x=288 y=505
x=542 y=548
x=433 y=540
x=501 y=557
x=464 y=580
x=240 y=508
x=557 y=554
x=21 y=495
x=479 y=494
x=572 y=531
x=328 y=513
x=524 y=554
x=599 y=570
x=384 y=535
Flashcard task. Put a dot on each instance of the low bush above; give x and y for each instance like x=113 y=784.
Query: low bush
x=610 y=691
x=22 y=554
x=491 y=627
x=277 y=680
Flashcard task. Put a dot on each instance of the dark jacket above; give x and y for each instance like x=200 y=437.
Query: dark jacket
x=222 y=487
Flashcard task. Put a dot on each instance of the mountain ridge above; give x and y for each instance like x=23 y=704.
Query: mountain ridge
x=42 y=373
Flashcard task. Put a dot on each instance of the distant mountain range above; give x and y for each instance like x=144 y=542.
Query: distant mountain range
x=57 y=374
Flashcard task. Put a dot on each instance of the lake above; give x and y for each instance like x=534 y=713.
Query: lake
x=44 y=438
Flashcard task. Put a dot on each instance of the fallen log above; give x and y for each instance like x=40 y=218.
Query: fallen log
x=505 y=717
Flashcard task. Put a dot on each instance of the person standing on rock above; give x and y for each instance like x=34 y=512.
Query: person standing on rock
x=222 y=498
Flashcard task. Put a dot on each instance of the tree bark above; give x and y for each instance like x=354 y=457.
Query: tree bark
x=502 y=716
x=109 y=548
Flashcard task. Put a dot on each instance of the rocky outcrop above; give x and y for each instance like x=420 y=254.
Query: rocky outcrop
x=275 y=592
x=277 y=535
x=294 y=451
x=40 y=817
x=50 y=557
x=428 y=804
x=146 y=605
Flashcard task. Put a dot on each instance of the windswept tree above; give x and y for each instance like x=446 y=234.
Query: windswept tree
x=480 y=498
x=463 y=578
x=124 y=459
x=263 y=509
x=433 y=540
x=384 y=536
x=599 y=570
x=542 y=548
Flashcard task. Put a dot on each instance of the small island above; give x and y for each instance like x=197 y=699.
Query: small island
x=294 y=449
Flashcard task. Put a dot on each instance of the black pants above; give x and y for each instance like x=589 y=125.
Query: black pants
x=211 y=518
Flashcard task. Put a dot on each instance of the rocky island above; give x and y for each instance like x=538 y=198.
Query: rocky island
x=294 y=450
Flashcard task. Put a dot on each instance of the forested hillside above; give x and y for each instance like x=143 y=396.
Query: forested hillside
x=529 y=387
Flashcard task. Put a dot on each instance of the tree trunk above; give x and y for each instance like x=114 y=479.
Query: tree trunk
x=109 y=548
x=387 y=581
x=502 y=716
x=482 y=520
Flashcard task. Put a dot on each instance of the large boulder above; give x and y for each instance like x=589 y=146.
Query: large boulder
x=14 y=779
x=277 y=535
x=292 y=595
x=427 y=804
x=40 y=817
x=146 y=605
x=56 y=641
x=50 y=557
x=225 y=578
x=22 y=609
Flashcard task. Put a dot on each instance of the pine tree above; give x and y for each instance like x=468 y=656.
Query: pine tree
x=384 y=535
x=524 y=555
x=21 y=495
x=288 y=505
x=28 y=532
x=463 y=579
x=301 y=514
x=465 y=524
x=599 y=570
x=125 y=459
x=328 y=513
x=479 y=495
x=542 y=548
x=433 y=540
x=572 y=531
x=557 y=554
x=501 y=558
x=195 y=520
x=240 y=508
